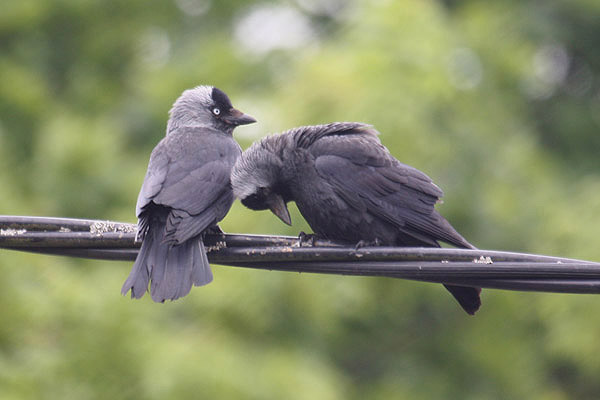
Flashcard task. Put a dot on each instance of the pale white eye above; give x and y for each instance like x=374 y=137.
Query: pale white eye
x=216 y=111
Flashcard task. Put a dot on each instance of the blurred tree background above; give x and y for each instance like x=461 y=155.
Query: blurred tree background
x=499 y=102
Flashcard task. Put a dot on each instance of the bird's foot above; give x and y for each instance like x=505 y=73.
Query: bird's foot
x=306 y=239
x=367 y=243
x=216 y=239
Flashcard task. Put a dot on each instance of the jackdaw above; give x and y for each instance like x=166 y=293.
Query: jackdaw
x=186 y=191
x=349 y=188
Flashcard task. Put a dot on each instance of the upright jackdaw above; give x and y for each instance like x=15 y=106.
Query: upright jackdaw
x=186 y=191
x=349 y=188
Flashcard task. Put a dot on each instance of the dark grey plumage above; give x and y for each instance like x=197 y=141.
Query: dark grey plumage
x=186 y=191
x=349 y=188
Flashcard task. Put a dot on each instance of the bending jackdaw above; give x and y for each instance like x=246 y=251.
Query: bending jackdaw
x=186 y=191
x=349 y=188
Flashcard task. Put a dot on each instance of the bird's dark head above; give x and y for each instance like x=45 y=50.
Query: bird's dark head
x=255 y=179
x=206 y=106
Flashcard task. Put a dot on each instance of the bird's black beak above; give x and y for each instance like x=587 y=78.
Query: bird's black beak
x=236 y=117
x=278 y=207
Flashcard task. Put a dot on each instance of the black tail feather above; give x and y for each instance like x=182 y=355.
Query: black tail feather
x=140 y=274
x=171 y=270
x=467 y=297
x=202 y=273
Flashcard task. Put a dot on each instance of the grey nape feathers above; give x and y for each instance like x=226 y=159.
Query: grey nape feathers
x=349 y=188
x=186 y=191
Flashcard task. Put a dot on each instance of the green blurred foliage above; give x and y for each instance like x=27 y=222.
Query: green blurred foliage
x=498 y=102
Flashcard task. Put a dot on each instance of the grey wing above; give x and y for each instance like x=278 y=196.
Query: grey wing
x=191 y=179
x=158 y=168
x=198 y=200
x=363 y=173
x=368 y=179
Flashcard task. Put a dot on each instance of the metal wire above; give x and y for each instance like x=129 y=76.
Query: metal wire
x=110 y=240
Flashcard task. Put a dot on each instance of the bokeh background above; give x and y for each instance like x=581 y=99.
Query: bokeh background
x=499 y=102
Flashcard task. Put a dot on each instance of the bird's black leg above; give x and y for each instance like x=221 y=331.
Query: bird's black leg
x=306 y=239
x=368 y=243
x=216 y=233
x=216 y=238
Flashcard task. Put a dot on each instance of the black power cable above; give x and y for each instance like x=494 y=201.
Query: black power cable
x=109 y=240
